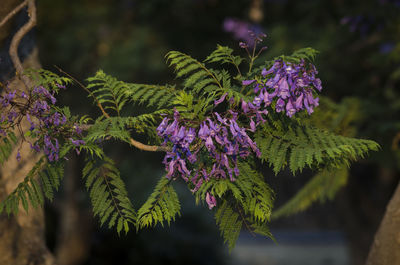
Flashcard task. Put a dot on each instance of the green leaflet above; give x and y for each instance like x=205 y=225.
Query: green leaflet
x=224 y=54
x=30 y=191
x=150 y=95
x=108 y=194
x=229 y=223
x=246 y=202
x=161 y=206
x=108 y=91
x=6 y=146
x=197 y=77
x=47 y=79
x=307 y=146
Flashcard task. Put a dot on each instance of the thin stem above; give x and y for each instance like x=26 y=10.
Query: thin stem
x=150 y=148
x=137 y=144
x=13 y=13
x=13 y=51
x=87 y=90
x=253 y=57
x=237 y=66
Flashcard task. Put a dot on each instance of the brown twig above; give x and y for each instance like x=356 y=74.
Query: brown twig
x=151 y=148
x=13 y=13
x=139 y=145
x=13 y=51
x=86 y=89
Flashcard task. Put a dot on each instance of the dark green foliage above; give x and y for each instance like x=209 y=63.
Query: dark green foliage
x=108 y=194
x=229 y=222
x=51 y=177
x=161 y=206
x=6 y=146
x=108 y=91
x=224 y=55
x=110 y=128
x=119 y=128
x=48 y=79
x=307 y=54
x=198 y=78
x=301 y=146
x=30 y=191
x=247 y=201
x=151 y=95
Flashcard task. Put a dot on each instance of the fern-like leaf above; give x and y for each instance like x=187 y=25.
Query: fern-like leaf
x=6 y=146
x=306 y=146
x=161 y=206
x=224 y=54
x=109 y=92
x=198 y=78
x=29 y=191
x=229 y=223
x=108 y=194
x=47 y=79
x=151 y=95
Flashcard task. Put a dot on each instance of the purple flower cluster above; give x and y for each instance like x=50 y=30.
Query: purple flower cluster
x=181 y=138
x=225 y=142
x=46 y=124
x=291 y=85
x=218 y=139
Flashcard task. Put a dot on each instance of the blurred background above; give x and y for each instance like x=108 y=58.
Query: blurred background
x=359 y=65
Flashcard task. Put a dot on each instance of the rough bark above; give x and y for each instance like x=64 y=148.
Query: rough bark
x=385 y=249
x=22 y=239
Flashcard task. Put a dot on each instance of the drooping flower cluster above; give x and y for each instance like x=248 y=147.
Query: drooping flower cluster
x=181 y=138
x=225 y=142
x=292 y=86
x=46 y=124
x=220 y=140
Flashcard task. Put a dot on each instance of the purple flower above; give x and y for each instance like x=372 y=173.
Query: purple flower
x=163 y=125
x=280 y=105
x=290 y=110
x=252 y=125
x=77 y=142
x=211 y=201
x=248 y=82
x=190 y=135
x=219 y=101
x=243 y=45
x=299 y=102
x=209 y=144
x=283 y=89
x=244 y=106
x=204 y=131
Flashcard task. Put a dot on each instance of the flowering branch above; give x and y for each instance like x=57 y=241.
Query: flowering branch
x=139 y=145
x=87 y=90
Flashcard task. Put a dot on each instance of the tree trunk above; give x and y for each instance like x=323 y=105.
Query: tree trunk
x=22 y=240
x=385 y=249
